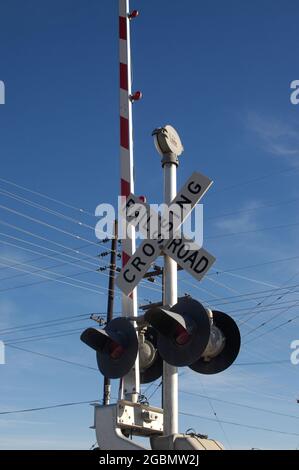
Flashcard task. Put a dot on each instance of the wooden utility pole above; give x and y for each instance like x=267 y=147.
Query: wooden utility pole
x=110 y=304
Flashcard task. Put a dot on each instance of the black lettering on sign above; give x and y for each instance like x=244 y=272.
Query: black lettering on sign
x=130 y=202
x=148 y=250
x=194 y=188
x=202 y=265
x=183 y=200
x=182 y=251
x=137 y=262
x=130 y=280
x=174 y=244
x=191 y=258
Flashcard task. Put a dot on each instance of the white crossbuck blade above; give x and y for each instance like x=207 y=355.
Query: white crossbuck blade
x=195 y=260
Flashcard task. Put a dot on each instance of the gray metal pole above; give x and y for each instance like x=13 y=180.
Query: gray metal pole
x=170 y=374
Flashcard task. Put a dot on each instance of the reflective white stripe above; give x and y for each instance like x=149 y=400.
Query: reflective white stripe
x=124 y=104
x=123 y=7
x=123 y=52
x=124 y=165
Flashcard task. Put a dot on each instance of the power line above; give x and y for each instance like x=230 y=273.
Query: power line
x=273 y=227
x=30 y=284
x=42 y=255
x=250 y=279
x=48 y=356
x=242 y=405
x=15 y=276
x=62 y=405
x=47 y=271
x=256 y=179
x=30 y=339
x=70 y=263
x=287 y=322
x=249 y=266
x=50 y=407
x=272 y=303
x=54 y=324
x=144 y=284
x=233 y=423
x=247 y=295
x=43 y=336
x=45 y=224
x=70 y=206
x=39 y=258
x=217 y=418
x=266 y=308
x=58 y=279
x=262 y=363
x=48 y=240
x=254 y=209
x=45 y=323
x=35 y=205
x=52 y=272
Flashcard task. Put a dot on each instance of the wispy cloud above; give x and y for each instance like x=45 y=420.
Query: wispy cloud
x=276 y=136
x=243 y=221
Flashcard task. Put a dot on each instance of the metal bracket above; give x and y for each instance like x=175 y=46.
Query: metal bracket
x=139 y=419
x=115 y=423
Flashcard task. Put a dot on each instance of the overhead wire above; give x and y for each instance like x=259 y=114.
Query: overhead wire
x=37 y=193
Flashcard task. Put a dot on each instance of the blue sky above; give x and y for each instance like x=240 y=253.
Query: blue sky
x=220 y=72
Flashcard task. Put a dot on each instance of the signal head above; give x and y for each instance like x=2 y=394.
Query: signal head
x=223 y=348
x=116 y=347
x=183 y=331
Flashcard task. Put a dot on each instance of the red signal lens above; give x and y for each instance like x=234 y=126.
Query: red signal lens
x=115 y=350
x=182 y=336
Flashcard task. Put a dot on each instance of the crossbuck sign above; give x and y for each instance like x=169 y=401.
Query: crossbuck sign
x=195 y=260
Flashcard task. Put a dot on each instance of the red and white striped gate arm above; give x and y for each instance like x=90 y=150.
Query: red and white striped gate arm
x=130 y=385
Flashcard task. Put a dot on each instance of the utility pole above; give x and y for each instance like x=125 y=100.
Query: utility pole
x=110 y=305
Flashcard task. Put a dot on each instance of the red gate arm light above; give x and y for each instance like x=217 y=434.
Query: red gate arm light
x=134 y=14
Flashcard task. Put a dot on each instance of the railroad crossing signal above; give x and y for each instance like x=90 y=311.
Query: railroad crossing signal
x=187 y=334
x=197 y=261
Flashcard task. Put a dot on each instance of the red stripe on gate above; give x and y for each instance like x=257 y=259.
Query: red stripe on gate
x=123 y=76
x=123 y=28
x=124 y=133
x=125 y=188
